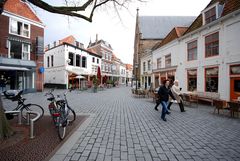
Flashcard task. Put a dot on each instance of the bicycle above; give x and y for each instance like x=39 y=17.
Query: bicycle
x=22 y=106
x=60 y=112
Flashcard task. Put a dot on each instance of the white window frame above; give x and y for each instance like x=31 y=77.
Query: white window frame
x=149 y=65
x=9 y=49
x=21 y=32
x=28 y=52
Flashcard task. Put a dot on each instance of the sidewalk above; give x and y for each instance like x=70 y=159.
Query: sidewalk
x=121 y=127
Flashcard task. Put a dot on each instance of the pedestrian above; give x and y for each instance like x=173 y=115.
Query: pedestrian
x=176 y=91
x=172 y=98
x=164 y=93
x=2 y=83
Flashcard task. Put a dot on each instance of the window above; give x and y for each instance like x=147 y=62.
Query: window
x=210 y=15
x=52 y=60
x=84 y=62
x=159 y=63
x=144 y=66
x=109 y=67
x=78 y=60
x=211 y=78
x=168 y=60
x=93 y=59
x=102 y=67
x=19 y=50
x=235 y=70
x=97 y=61
x=26 y=52
x=192 y=50
x=70 y=57
x=192 y=80
x=149 y=65
x=48 y=61
x=19 y=28
x=106 y=68
x=212 y=45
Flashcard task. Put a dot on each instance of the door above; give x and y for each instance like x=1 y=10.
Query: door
x=234 y=88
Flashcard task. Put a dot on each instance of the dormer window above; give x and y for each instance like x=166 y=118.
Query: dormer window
x=210 y=15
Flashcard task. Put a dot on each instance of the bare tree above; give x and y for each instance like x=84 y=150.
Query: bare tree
x=77 y=8
x=5 y=129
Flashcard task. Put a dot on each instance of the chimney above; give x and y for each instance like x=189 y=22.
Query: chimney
x=96 y=38
x=77 y=44
x=81 y=45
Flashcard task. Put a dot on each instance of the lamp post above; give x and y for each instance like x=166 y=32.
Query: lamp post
x=136 y=66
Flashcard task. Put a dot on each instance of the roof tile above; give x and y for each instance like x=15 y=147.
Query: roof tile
x=70 y=39
x=175 y=33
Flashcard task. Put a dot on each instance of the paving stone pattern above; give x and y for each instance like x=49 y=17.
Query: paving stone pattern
x=128 y=128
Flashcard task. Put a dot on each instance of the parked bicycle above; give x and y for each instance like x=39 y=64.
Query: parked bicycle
x=22 y=106
x=61 y=112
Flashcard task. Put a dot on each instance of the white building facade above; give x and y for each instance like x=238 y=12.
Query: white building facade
x=67 y=65
x=206 y=58
x=129 y=74
x=146 y=70
x=122 y=76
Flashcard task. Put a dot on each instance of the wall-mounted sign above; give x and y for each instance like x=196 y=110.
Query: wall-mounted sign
x=41 y=69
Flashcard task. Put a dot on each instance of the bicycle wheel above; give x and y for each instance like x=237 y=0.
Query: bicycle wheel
x=62 y=123
x=32 y=107
x=71 y=115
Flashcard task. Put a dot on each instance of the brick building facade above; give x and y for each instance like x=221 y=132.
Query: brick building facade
x=21 y=48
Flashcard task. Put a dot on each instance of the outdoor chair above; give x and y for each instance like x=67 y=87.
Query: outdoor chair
x=152 y=95
x=189 y=99
x=233 y=107
x=219 y=105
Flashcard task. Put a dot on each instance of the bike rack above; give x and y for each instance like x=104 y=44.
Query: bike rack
x=18 y=113
x=32 y=121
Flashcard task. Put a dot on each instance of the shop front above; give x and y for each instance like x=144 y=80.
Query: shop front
x=234 y=82
x=162 y=74
x=17 y=75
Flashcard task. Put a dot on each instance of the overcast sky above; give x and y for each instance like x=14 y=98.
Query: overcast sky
x=109 y=27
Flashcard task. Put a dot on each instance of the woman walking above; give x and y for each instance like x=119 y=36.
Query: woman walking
x=177 y=95
x=164 y=93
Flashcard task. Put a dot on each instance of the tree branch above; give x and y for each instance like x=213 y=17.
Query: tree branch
x=75 y=8
x=72 y=10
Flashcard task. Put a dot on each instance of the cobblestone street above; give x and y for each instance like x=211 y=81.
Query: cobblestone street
x=122 y=127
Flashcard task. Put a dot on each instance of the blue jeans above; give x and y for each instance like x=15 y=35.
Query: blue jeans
x=164 y=109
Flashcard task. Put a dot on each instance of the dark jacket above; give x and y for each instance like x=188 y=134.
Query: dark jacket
x=164 y=93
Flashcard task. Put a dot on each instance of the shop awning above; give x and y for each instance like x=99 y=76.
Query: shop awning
x=73 y=71
x=13 y=68
x=80 y=77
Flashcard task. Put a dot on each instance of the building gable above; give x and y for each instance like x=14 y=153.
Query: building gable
x=21 y=8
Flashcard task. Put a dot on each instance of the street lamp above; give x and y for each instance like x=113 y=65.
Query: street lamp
x=136 y=66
